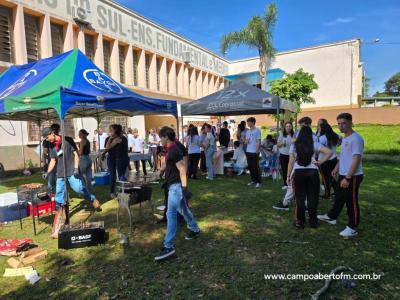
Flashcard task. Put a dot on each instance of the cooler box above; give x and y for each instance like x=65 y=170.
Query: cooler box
x=102 y=178
x=9 y=207
x=41 y=208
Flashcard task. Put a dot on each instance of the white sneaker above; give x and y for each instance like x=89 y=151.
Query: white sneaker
x=284 y=187
x=250 y=183
x=326 y=219
x=258 y=185
x=348 y=232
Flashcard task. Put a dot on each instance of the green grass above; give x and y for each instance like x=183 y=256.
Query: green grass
x=379 y=139
x=242 y=239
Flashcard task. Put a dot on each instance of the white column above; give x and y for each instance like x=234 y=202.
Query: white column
x=69 y=37
x=21 y=56
x=199 y=89
x=186 y=87
x=45 y=37
x=141 y=69
x=193 y=84
x=222 y=85
x=163 y=75
x=153 y=72
x=98 y=53
x=172 y=78
x=81 y=40
x=115 y=61
x=129 y=66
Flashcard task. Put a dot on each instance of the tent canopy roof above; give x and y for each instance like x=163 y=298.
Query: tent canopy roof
x=70 y=85
x=237 y=99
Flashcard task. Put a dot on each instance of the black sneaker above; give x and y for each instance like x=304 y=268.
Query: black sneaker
x=280 y=206
x=298 y=224
x=192 y=235
x=164 y=254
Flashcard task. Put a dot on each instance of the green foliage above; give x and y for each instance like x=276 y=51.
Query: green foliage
x=380 y=94
x=392 y=86
x=296 y=87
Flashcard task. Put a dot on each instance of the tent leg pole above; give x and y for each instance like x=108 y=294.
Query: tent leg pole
x=66 y=198
x=277 y=121
x=40 y=147
x=22 y=147
x=182 y=130
x=178 y=128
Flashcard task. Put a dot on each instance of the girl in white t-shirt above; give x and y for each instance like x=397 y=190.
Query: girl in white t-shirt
x=284 y=143
x=306 y=178
x=328 y=138
x=193 y=144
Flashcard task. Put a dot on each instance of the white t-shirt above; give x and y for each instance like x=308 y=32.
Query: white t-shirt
x=312 y=165
x=240 y=157
x=252 y=136
x=351 y=145
x=324 y=142
x=286 y=147
x=137 y=144
x=103 y=140
x=130 y=140
x=193 y=144
x=152 y=139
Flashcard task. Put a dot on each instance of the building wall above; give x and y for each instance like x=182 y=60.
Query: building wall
x=336 y=68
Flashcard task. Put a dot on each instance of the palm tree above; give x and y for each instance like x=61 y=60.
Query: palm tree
x=257 y=34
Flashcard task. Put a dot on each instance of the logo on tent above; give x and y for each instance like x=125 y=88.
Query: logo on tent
x=266 y=102
x=101 y=81
x=19 y=83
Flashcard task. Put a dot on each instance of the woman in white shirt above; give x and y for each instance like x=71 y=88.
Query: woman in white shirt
x=306 y=178
x=284 y=143
x=154 y=142
x=329 y=139
x=193 y=145
x=209 y=149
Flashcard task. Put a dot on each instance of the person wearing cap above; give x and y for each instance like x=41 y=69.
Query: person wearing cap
x=85 y=162
x=47 y=147
x=70 y=151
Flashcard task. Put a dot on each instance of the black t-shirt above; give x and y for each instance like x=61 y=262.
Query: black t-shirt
x=120 y=150
x=70 y=148
x=174 y=155
x=182 y=148
x=86 y=148
x=224 y=137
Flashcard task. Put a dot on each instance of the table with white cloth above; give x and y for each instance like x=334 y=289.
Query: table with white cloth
x=139 y=156
x=219 y=159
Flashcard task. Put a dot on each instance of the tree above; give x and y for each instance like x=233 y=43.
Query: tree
x=257 y=34
x=296 y=87
x=392 y=86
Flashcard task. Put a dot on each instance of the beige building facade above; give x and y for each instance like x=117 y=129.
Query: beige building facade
x=148 y=59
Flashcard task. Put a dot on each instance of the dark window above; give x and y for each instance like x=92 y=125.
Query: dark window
x=107 y=57
x=6 y=42
x=89 y=46
x=57 y=39
x=147 y=67
x=32 y=36
x=158 y=63
x=121 y=50
x=135 y=67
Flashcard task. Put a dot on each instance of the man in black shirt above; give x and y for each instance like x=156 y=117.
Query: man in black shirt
x=46 y=151
x=75 y=181
x=175 y=179
x=224 y=135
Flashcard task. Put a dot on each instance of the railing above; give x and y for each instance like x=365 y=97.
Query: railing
x=380 y=101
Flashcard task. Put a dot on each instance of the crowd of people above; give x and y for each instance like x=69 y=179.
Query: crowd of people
x=303 y=159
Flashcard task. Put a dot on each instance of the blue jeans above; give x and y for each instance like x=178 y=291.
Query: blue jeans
x=117 y=167
x=76 y=185
x=236 y=168
x=85 y=168
x=176 y=203
x=209 y=162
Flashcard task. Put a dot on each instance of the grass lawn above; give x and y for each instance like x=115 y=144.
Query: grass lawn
x=379 y=139
x=242 y=239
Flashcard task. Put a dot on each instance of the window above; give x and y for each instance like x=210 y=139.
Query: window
x=6 y=43
x=135 y=67
x=147 y=64
x=121 y=50
x=57 y=38
x=89 y=46
x=158 y=65
x=32 y=37
x=34 y=130
x=107 y=57
x=107 y=121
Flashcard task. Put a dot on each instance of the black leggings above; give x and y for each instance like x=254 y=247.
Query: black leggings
x=193 y=165
x=306 y=186
x=284 y=162
x=326 y=172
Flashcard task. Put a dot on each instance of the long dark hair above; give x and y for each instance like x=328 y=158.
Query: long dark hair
x=284 y=133
x=331 y=136
x=304 y=146
x=193 y=131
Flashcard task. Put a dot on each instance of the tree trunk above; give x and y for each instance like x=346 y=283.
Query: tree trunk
x=263 y=72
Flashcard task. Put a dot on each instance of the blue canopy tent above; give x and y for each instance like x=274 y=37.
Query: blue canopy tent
x=69 y=85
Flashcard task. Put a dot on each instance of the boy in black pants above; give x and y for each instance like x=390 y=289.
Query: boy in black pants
x=350 y=177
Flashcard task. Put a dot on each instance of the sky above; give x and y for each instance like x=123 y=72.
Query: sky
x=300 y=24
